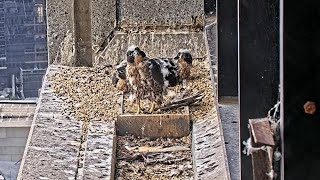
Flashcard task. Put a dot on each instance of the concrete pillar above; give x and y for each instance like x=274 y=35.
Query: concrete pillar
x=82 y=32
x=61 y=17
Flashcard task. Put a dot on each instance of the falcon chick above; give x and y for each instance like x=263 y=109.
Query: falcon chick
x=120 y=77
x=184 y=64
x=149 y=77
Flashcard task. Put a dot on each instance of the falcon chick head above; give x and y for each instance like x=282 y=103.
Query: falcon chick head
x=185 y=55
x=135 y=55
x=121 y=70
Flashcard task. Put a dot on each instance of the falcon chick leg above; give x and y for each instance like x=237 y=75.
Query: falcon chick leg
x=139 y=107
x=152 y=107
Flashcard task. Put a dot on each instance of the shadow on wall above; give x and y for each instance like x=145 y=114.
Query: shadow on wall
x=209 y=7
x=301 y=84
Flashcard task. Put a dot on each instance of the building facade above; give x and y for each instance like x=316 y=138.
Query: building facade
x=23 y=44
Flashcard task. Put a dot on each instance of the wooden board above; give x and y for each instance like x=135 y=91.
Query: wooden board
x=154 y=125
x=261 y=132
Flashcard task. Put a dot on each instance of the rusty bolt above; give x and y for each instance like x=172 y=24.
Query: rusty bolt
x=309 y=107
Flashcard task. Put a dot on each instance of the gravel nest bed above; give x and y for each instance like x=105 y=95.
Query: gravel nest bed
x=200 y=81
x=139 y=169
x=88 y=92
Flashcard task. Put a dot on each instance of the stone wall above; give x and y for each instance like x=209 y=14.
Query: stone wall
x=158 y=44
x=161 y=28
x=170 y=13
x=61 y=27
x=103 y=20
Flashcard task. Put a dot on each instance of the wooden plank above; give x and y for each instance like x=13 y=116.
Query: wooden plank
x=154 y=125
x=82 y=32
x=261 y=165
x=261 y=132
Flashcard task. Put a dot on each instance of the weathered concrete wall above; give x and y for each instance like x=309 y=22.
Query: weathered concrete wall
x=159 y=27
x=12 y=142
x=103 y=20
x=159 y=44
x=61 y=27
x=161 y=13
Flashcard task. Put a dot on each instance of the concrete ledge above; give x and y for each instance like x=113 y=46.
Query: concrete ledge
x=54 y=148
x=101 y=151
x=53 y=143
x=18 y=124
x=208 y=149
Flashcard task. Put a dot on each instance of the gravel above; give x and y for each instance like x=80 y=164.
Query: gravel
x=178 y=165
x=88 y=92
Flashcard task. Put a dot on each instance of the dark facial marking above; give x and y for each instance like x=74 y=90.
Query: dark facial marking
x=178 y=56
x=130 y=59
x=143 y=54
x=187 y=57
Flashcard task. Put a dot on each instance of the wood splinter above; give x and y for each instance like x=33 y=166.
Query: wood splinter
x=183 y=102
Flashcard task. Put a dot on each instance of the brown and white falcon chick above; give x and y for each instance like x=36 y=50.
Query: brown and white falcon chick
x=148 y=77
x=184 y=64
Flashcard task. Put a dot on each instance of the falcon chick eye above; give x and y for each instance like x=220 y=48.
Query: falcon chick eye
x=129 y=53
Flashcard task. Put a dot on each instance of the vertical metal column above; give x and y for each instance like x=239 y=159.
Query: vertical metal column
x=258 y=25
x=82 y=32
x=227 y=48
